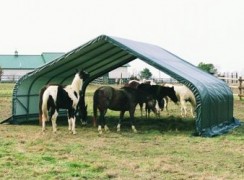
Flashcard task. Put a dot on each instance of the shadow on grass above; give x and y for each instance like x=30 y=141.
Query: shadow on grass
x=151 y=125
x=162 y=125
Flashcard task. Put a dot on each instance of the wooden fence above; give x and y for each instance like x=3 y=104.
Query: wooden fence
x=236 y=84
x=241 y=87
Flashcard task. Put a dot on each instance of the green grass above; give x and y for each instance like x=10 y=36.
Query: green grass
x=163 y=148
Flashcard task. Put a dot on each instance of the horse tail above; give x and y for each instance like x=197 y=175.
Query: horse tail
x=40 y=104
x=95 y=102
x=43 y=105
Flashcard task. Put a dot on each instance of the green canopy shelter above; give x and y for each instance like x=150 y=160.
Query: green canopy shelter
x=99 y=56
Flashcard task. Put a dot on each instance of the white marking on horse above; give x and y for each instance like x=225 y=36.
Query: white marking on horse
x=55 y=95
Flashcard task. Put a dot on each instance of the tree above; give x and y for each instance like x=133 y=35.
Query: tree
x=210 y=68
x=145 y=74
x=133 y=77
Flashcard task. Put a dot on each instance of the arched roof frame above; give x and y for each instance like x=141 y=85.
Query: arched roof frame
x=99 y=56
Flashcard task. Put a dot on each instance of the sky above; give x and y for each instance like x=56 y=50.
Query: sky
x=209 y=31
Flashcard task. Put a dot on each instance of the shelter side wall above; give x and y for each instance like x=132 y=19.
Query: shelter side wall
x=217 y=107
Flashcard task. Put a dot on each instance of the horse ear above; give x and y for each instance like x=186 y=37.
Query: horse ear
x=86 y=106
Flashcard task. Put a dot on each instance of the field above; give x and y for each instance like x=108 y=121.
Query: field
x=163 y=148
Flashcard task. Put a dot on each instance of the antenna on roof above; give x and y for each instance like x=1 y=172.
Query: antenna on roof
x=16 y=53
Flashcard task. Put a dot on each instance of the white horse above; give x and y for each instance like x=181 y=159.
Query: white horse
x=54 y=97
x=185 y=95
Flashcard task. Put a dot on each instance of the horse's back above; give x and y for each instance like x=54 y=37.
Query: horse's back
x=104 y=91
x=114 y=99
x=183 y=92
x=133 y=84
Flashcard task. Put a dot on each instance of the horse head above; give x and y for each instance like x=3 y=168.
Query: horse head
x=83 y=115
x=82 y=110
x=83 y=74
x=171 y=94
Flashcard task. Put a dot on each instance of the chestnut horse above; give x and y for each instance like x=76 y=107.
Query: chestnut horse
x=123 y=99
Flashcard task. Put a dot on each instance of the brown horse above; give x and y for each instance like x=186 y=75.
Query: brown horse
x=150 y=105
x=158 y=93
x=123 y=99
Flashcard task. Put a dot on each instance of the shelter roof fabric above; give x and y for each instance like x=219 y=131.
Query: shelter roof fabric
x=103 y=54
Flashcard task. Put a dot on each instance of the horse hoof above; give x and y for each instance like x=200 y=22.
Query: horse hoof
x=106 y=129
x=74 y=132
x=134 y=129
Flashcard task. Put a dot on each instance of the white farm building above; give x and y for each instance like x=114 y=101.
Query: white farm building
x=15 y=66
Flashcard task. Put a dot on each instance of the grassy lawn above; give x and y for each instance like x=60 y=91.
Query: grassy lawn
x=163 y=148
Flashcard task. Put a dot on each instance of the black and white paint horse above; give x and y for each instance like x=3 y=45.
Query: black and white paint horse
x=55 y=97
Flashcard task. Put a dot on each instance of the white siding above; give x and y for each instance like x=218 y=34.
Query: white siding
x=118 y=73
x=14 y=74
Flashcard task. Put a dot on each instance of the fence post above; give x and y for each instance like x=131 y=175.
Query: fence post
x=240 y=88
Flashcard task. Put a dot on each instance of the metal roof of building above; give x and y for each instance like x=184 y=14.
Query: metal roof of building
x=27 y=61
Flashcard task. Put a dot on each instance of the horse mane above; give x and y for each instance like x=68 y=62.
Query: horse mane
x=77 y=83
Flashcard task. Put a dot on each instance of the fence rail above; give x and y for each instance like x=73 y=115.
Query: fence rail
x=235 y=83
x=241 y=88
x=10 y=78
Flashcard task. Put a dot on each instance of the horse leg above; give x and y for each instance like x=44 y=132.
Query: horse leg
x=71 y=120
x=147 y=109
x=99 y=127
x=132 y=111
x=166 y=103
x=105 y=123
x=183 y=108
x=73 y=125
x=141 y=108
x=121 y=116
x=148 y=112
x=192 y=112
x=101 y=120
x=156 y=111
x=44 y=119
x=193 y=109
x=54 y=119
x=154 y=107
